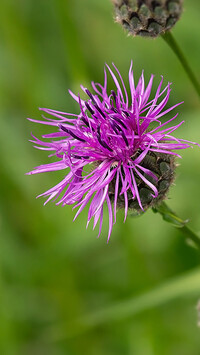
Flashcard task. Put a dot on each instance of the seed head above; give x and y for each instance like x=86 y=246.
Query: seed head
x=147 y=18
x=124 y=139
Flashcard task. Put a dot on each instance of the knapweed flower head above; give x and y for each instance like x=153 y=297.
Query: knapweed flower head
x=147 y=18
x=116 y=150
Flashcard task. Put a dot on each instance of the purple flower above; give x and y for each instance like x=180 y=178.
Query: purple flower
x=119 y=136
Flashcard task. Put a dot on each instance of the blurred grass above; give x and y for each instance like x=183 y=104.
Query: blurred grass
x=52 y=271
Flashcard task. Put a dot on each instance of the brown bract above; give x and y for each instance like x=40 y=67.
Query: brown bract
x=163 y=167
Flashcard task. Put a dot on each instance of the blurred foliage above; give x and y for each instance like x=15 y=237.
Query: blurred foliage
x=55 y=276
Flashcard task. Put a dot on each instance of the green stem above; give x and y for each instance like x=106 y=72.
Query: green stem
x=191 y=236
x=171 y=217
x=167 y=36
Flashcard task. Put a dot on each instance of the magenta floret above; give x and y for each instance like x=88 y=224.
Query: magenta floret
x=113 y=134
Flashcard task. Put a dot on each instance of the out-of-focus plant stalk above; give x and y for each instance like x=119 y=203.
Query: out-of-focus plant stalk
x=170 y=40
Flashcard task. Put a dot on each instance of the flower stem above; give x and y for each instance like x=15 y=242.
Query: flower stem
x=171 y=217
x=167 y=36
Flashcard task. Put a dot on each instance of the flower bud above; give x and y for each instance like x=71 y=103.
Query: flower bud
x=148 y=18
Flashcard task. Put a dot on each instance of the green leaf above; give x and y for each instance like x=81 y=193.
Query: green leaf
x=169 y=216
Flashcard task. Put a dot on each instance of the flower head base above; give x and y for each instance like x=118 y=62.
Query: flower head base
x=147 y=18
x=120 y=137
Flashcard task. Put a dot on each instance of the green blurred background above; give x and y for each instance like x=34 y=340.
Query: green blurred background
x=62 y=290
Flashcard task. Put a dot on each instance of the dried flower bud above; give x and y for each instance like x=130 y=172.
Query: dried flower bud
x=148 y=18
